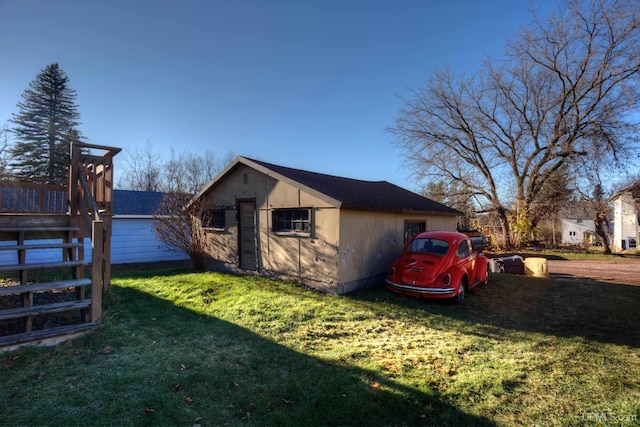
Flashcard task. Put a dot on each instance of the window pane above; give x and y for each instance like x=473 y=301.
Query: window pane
x=215 y=218
x=291 y=220
x=463 y=249
x=434 y=246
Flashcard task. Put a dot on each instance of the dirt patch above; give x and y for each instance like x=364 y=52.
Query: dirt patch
x=616 y=270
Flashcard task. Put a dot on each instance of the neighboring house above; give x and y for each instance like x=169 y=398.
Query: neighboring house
x=626 y=219
x=578 y=227
x=133 y=238
x=334 y=234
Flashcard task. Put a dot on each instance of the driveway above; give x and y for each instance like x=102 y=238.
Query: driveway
x=617 y=269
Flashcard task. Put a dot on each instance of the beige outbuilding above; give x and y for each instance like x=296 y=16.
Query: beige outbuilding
x=331 y=233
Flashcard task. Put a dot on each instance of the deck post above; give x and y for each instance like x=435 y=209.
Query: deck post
x=97 y=258
x=108 y=224
x=72 y=187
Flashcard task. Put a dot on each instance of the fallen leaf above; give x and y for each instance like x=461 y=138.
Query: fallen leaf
x=182 y=367
x=106 y=350
x=8 y=362
x=236 y=385
x=175 y=387
x=252 y=406
x=188 y=400
x=148 y=411
x=287 y=401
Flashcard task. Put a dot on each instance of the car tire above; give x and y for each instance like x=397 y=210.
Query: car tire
x=486 y=280
x=462 y=291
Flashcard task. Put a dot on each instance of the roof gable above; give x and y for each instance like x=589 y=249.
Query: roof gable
x=345 y=193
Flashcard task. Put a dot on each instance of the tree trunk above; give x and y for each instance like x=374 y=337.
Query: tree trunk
x=504 y=222
x=601 y=222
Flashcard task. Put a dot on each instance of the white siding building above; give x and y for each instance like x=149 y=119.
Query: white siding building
x=133 y=238
x=578 y=231
x=626 y=218
x=578 y=227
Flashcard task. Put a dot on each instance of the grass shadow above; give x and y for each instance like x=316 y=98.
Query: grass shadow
x=156 y=363
x=559 y=306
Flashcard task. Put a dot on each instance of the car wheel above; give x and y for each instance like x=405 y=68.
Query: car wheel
x=462 y=292
x=486 y=280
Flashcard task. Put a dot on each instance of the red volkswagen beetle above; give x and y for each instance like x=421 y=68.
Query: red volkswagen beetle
x=438 y=264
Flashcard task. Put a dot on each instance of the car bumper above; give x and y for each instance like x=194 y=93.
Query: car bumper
x=420 y=290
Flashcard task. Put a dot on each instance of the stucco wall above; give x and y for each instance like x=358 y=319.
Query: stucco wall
x=345 y=249
x=371 y=241
x=310 y=258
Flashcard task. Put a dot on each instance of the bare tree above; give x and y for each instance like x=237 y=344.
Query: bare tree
x=5 y=155
x=189 y=172
x=142 y=170
x=565 y=88
x=602 y=186
x=454 y=195
x=177 y=173
x=146 y=170
x=179 y=224
x=601 y=202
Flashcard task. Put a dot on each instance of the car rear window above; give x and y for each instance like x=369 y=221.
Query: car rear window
x=431 y=246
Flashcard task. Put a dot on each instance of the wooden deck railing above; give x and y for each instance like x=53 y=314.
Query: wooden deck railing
x=25 y=197
x=91 y=180
x=88 y=199
x=91 y=200
x=59 y=215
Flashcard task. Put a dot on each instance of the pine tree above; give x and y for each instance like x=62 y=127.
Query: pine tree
x=44 y=127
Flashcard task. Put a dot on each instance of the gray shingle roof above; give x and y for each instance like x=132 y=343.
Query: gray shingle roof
x=362 y=195
x=127 y=202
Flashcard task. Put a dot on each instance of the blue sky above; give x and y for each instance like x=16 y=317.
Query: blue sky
x=306 y=84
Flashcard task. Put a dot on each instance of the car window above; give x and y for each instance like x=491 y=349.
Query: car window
x=433 y=246
x=463 y=249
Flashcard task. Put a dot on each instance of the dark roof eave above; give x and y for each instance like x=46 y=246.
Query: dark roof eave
x=398 y=210
x=452 y=212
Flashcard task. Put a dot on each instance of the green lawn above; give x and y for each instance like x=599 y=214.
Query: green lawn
x=210 y=349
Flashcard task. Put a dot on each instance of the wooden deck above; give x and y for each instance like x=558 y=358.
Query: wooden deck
x=37 y=217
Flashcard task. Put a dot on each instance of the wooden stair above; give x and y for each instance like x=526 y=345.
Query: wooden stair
x=58 y=333
x=39 y=218
x=28 y=300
